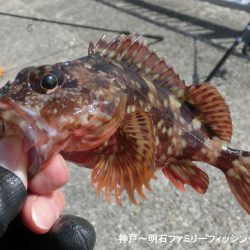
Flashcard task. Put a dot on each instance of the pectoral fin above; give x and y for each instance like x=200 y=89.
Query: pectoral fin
x=128 y=162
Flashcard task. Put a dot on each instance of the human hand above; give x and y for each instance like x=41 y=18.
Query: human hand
x=40 y=208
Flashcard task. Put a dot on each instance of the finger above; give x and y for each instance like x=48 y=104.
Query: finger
x=41 y=211
x=17 y=236
x=12 y=197
x=52 y=176
x=68 y=233
x=71 y=233
x=13 y=158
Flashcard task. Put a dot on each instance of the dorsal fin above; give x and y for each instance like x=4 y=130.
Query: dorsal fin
x=136 y=54
x=91 y=49
x=211 y=108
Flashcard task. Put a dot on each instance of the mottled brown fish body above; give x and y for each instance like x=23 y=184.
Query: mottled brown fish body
x=124 y=113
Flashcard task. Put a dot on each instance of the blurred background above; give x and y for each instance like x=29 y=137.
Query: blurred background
x=194 y=36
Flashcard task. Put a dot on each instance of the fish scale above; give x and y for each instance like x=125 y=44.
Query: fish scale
x=124 y=113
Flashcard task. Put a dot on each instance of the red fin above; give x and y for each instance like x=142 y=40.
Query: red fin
x=129 y=49
x=238 y=178
x=185 y=172
x=128 y=162
x=211 y=109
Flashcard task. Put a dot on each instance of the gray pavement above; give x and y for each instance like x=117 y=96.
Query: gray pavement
x=193 y=48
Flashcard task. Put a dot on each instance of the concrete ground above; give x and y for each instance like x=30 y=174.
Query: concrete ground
x=196 y=35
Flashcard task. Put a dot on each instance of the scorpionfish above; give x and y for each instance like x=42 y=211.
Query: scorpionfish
x=124 y=113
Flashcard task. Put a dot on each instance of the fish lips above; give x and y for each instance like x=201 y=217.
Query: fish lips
x=17 y=123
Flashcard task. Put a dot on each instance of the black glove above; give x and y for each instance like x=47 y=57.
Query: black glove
x=68 y=232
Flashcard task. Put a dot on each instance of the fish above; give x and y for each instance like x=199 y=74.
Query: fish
x=123 y=112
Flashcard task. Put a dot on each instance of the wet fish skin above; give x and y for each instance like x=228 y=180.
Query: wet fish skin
x=124 y=113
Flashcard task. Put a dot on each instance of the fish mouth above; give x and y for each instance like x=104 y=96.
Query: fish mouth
x=41 y=139
x=17 y=124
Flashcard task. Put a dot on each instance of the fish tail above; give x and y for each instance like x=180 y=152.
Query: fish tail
x=238 y=177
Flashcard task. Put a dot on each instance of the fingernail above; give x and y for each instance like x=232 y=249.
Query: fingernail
x=64 y=164
x=44 y=213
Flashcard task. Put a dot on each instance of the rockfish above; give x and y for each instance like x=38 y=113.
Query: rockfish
x=124 y=113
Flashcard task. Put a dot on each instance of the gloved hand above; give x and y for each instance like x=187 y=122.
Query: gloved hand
x=39 y=224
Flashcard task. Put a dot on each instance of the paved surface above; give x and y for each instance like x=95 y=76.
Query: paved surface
x=193 y=42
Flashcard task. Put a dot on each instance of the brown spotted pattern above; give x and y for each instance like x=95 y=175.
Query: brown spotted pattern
x=125 y=113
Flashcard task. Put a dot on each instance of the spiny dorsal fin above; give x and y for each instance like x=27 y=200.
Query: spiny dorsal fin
x=211 y=108
x=129 y=160
x=91 y=49
x=136 y=54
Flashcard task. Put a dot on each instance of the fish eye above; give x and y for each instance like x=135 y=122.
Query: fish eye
x=49 y=81
x=45 y=79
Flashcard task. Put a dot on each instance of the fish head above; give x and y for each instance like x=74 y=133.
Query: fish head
x=58 y=107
